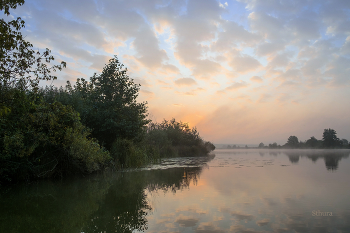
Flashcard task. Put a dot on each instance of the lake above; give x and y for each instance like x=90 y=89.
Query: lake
x=237 y=190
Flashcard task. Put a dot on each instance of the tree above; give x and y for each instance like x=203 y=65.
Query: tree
x=20 y=65
x=312 y=142
x=261 y=145
x=37 y=139
x=293 y=142
x=107 y=105
x=345 y=143
x=175 y=138
x=41 y=140
x=5 y=5
x=330 y=139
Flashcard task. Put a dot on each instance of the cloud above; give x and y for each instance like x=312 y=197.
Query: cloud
x=186 y=221
x=268 y=48
x=305 y=28
x=264 y=98
x=289 y=46
x=280 y=60
x=146 y=45
x=223 y=5
x=256 y=79
x=208 y=227
x=192 y=92
x=232 y=35
x=244 y=64
x=146 y=92
x=339 y=70
x=283 y=97
x=271 y=28
x=185 y=82
x=291 y=75
x=168 y=68
x=142 y=82
x=241 y=216
x=162 y=82
x=236 y=85
x=242 y=229
x=205 y=69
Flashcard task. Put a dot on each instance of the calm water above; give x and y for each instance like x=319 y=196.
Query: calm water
x=236 y=191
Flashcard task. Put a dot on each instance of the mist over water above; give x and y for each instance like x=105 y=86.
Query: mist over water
x=242 y=190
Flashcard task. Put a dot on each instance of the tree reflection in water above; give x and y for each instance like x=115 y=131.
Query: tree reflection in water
x=331 y=157
x=112 y=202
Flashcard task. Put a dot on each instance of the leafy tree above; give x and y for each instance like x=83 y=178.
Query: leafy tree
x=330 y=139
x=177 y=139
x=20 y=65
x=293 y=142
x=107 y=104
x=5 y=5
x=261 y=145
x=42 y=140
x=37 y=139
x=312 y=142
x=345 y=143
x=273 y=145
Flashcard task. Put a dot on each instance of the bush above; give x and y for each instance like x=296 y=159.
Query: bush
x=127 y=153
x=38 y=139
x=174 y=139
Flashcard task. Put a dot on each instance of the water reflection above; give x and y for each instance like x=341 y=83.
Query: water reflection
x=112 y=202
x=240 y=191
x=252 y=191
x=331 y=157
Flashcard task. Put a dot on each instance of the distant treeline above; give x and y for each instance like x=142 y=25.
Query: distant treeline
x=329 y=141
x=81 y=128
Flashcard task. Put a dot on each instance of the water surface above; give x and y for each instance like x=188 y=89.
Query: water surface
x=242 y=190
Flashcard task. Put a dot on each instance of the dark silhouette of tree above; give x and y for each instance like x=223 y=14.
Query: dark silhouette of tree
x=107 y=104
x=293 y=142
x=332 y=161
x=330 y=139
x=345 y=143
x=294 y=158
x=312 y=142
x=261 y=145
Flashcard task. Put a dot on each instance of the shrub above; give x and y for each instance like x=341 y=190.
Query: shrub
x=38 y=139
x=174 y=139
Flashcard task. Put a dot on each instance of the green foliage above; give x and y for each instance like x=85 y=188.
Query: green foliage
x=127 y=153
x=46 y=132
x=174 y=138
x=107 y=104
x=85 y=152
x=5 y=5
x=20 y=65
x=38 y=139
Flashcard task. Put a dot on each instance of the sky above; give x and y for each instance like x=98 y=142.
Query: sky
x=241 y=71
